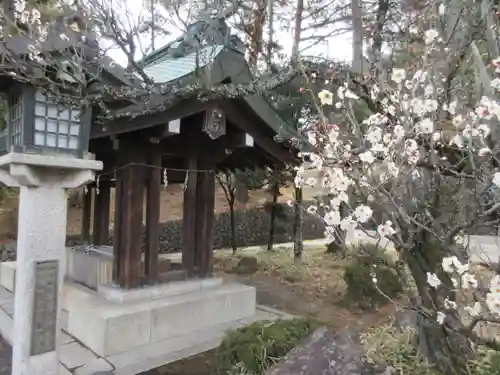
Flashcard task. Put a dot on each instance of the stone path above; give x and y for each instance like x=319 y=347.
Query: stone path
x=76 y=359
x=482 y=249
x=5 y=357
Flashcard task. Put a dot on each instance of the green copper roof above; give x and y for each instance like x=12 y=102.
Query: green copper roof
x=168 y=68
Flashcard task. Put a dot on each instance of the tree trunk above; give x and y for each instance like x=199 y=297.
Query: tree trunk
x=298 y=244
x=255 y=33
x=270 y=34
x=297 y=31
x=233 y=227
x=357 y=36
x=448 y=350
x=272 y=219
x=338 y=245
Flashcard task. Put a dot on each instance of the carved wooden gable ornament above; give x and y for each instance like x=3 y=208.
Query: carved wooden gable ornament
x=214 y=123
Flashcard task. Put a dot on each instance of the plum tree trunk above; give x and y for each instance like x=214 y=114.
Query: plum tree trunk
x=448 y=350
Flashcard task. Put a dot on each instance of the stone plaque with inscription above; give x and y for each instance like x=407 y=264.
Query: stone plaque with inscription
x=43 y=334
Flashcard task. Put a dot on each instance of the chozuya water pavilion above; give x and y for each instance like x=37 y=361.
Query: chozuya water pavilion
x=125 y=302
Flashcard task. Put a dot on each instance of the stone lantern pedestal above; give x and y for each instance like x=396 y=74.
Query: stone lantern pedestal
x=43 y=181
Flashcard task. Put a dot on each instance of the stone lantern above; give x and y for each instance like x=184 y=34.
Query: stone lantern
x=43 y=152
x=37 y=124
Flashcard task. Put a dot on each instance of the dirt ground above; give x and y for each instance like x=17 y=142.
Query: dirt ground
x=314 y=288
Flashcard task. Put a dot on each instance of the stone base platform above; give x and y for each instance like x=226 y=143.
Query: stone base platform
x=174 y=339
x=114 y=321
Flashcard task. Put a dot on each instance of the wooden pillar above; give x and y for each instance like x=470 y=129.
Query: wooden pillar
x=86 y=215
x=100 y=233
x=199 y=199
x=128 y=223
x=189 y=215
x=205 y=218
x=153 y=184
x=117 y=255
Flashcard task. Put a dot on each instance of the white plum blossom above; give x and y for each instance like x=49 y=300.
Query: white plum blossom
x=468 y=281
x=431 y=105
x=484 y=151
x=343 y=92
x=332 y=218
x=436 y=136
x=398 y=75
x=484 y=130
x=452 y=108
x=420 y=75
x=348 y=225
x=440 y=317
x=458 y=141
x=442 y=10
x=367 y=157
x=493 y=297
x=374 y=135
x=311 y=137
x=448 y=304
x=493 y=303
x=312 y=209
x=325 y=97
x=433 y=280
x=386 y=229
x=452 y=264
x=399 y=133
x=363 y=213
x=461 y=267
x=426 y=126
x=447 y=264
x=495 y=83
x=496 y=179
x=475 y=310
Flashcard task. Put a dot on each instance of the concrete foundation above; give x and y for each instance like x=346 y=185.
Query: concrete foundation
x=112 y=321
x=120 y=323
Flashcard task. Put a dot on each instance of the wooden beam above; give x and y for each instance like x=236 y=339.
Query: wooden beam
x=86 y=215
x=240 y=139
x=153 y=183
x=248 y=125
x=102 y=198
x=124 y=125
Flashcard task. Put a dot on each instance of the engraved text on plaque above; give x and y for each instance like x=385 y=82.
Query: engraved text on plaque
x=43 y=334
